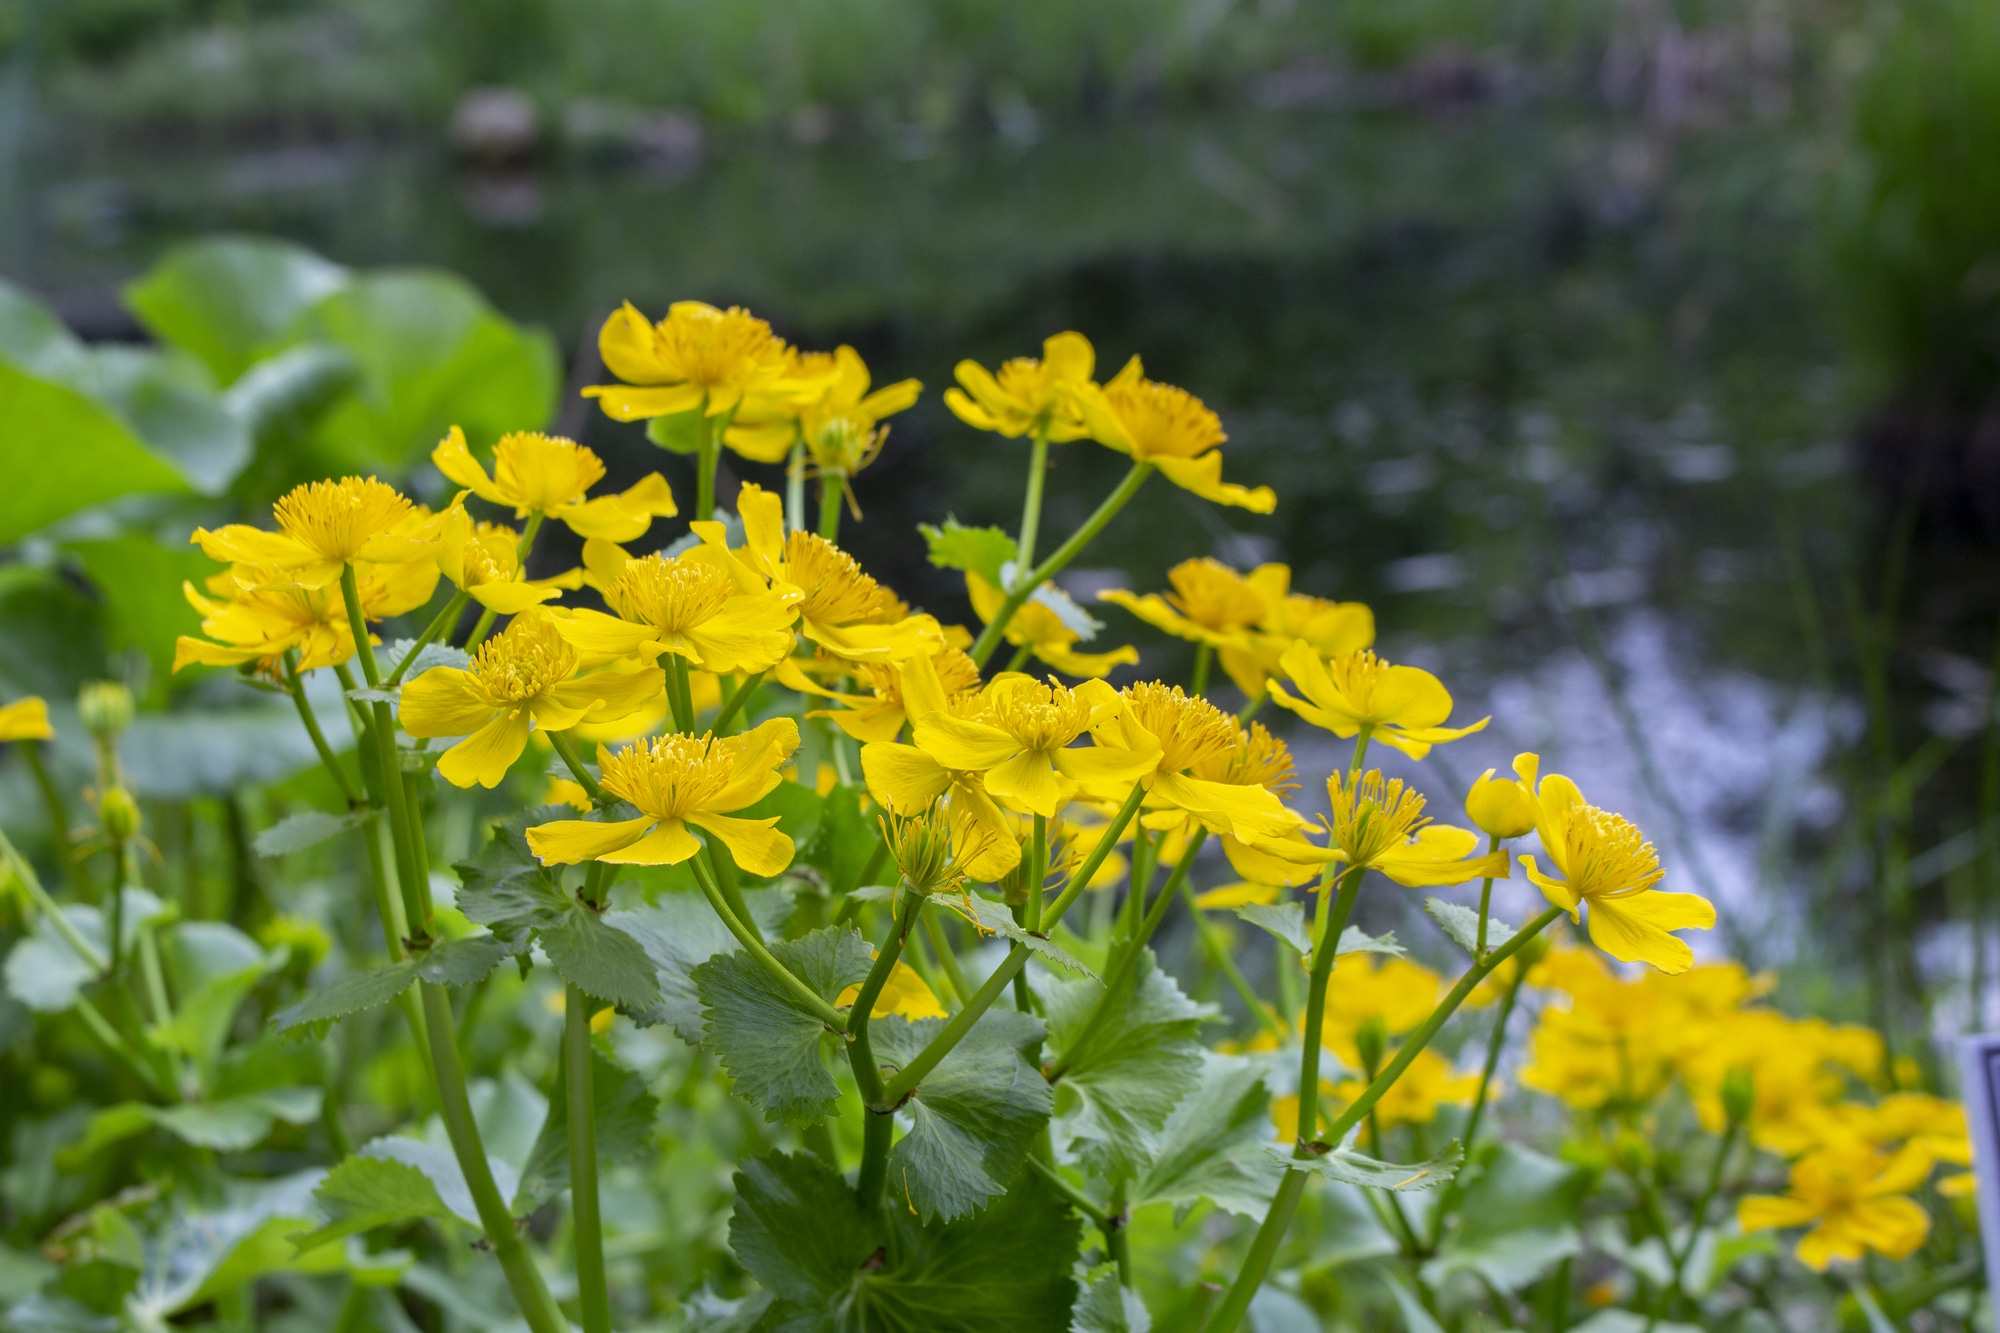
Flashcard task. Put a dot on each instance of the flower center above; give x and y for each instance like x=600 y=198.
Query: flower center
x=837 y=592
x=672 y=594
x=1190 y=730
x=1213 y=595
x=1165 y=421
x=1373 y=815
x=1040 y=717
x=544 y=472
x=710 y=348
x=489 y=556
x=335 y=519
x=1606 y=856
x=1257 y=759
x=1354 y=675
x=669 y=776
x=523 y=660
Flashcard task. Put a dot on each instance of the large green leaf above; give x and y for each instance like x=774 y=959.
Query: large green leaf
x=1130 y=1072
x=680 y=932
x=972 y=1118
x=46 y=974
x=229 y=1124
x=625 y=1113
x=980 y=551
x=63 y=452
x=764 y=1036
x=453 y=963
x=1212 y=1146
x=834 y=1267
x=228 y=299
x=398 y=1179
x=170 y=402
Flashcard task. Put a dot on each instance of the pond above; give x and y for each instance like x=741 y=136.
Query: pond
x=1548 y=387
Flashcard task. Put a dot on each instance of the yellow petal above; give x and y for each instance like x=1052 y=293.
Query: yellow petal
x=510 y=599
x=750 y=633
x=1634 y=929
x=453 y=458
x=668 y=845
x=621 y=402
x=627 y=345
x=444 y=701
x=615 y=694
x=605 y=636
x=568 y=841
x=1203 y=476
x=26 y=720
x=1029 y=781
x=962 y=744
x=903 y=993
x=754 y=844
x=485 y=756
x=902 y=777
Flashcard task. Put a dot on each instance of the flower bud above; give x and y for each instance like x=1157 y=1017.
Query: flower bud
x=1739 y=1094
x=1498 y=806
x=1371 y=1042
x=1631 y=1152
x=119 y=813
x=921 y=848
x=106 y=708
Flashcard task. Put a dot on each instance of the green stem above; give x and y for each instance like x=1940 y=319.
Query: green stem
x=704 y=875
x=565 y=748
x=947 y=959
x=1031 y=506
x=85 y=951
x=795 y=488
x=861 y=1056
x=1073 y=1196
x=593 y=1299
x=1198 y=681
x=724 y=870
x=1026 y=583
x=1017 y=958
x=102 y=1028
x=409 y=872
x=680 y=696
x=1485 y=899
x=1116 y=1242
x=832 y=490
x=1252 y=708
x=1038 y=872
x=1020 y=657
x=531 y=1294
x=443 y=621
x=734 y=703
x=58 y=811
x=296 y=687
x=706 y=454
x=481 y=628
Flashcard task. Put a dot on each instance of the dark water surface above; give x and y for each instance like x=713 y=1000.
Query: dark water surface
x=1550 y=390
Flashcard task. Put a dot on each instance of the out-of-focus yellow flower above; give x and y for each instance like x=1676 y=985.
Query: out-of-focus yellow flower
x=1379 y=824
x=879 y=715
x=1186 y=732
x=1021 y=741
x=323 y=526
x=1932 y=1123
x=840 y=607
x=839 y=424
x=1413 y=1099
x=26 y=720
x=1602 y=859
x=1047 y=636
x=697 y=357
x=1331 y=628
x=1211 y=603
x=525 y=675
x=1855 y=1200
x=569 y=792
x=904 y=994
x=1240 y=894
x=676 y=781
x=1389 y=995
x=549 y=475
x=691 y=605
x=256 y=615
x=1028 y=397
x=1502 y=808
x=483 y=560
x=1170 y=428
x=1404 y=707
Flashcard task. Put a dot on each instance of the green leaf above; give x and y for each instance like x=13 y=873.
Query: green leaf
x=600 y=960
x=680 y=932
x=798 y=809
x=1132 y=1071
x=834 y=1267
x=679 y=433
x=138 y=581
x=1352 y=1168
x=847 y=842
x=308 y=828
x=763 y=1035
x=170 y=402
x=237 y=1123
x=1356 y=940
x=997 y=918
x=980 y=551
x=1509 y=1260
x=1108 y=1306
x=625 y=1115
x=973 y=1118
x=453 y=963
x=33 y=338
x=45 y=974
x=1462 y=924
x=398 y=1179
x=227 y=299
x=63 y=452
x=1285 y=921
x=215 y=966
x=1518 y=1188
x=1614 y=1320
x=1416 y=1319
x=1212 y=1146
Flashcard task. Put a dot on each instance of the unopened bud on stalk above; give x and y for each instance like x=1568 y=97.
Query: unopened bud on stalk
x=106 y=708
x=921 y=848
x=1739 y=1094
x=1631 y=1152
x=119 y=813
x=1371 y=1042
x=1499 y=806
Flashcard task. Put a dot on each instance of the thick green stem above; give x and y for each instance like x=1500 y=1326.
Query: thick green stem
x=1017 y=958
x=1198 y=680
x=832 y=490
x=531 y=1294
x=707 y=453
x=704 y=875
x=680 y=695
x=587 y=1227
x=1038 y=872
x=410 y=872
x=1116 y=1242
x=443 y=621
x=1073 y=1196
x=738 y=697
x=565 y=748
x=1031 y=506
x=296 y=687
x=1485 y=900
x=58 y=812
x=861 y=1056
x=1027 y=581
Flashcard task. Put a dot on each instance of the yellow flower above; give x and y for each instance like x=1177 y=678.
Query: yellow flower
x=1020 y=741
x=1602 y=859
x=1211 y=603
x=547 y=474
x=256 y=615
x=840 y=607
x=904 y=994
x=525 y=675
x=880 y=714
x=697 y=357
x=1390 y=995
x=1380 y=824
x=1240 y=894
x=1936 y=1125
x=1187 y=733
x=26 y=720
x=691 y=605
x=483 y=560
x=1401 y=706
x=324 y=525
x=1501 y=808
x=1855 y=1199
x=1413 y=1099
x=1028 y=397
x=567 y=791
x=1169 y=428
x=1048 y=638
x=840 y=423
x=1332 y=628
x=676 y=781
